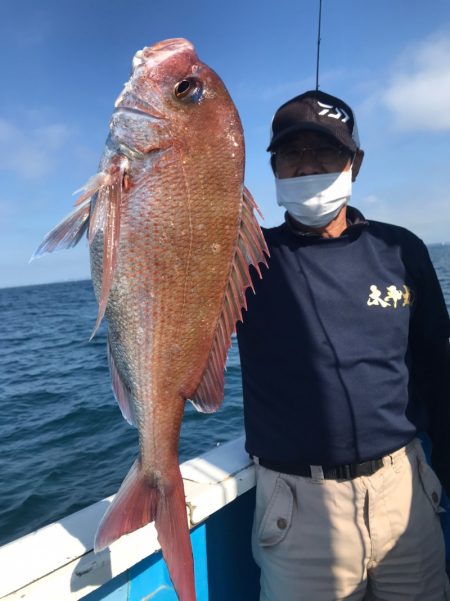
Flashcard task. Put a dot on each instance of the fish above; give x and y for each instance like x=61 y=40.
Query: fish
x=172 y=234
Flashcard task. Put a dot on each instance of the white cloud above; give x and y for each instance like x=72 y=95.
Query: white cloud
x=419 y=94
x=30 y=152
x=419 y=206
x=371 y=199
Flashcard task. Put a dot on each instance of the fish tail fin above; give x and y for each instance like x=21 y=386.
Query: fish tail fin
x=132 y=507
x=142 y=499
x=173 y=535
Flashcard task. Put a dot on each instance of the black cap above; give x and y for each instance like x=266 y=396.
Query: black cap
x=315 y=111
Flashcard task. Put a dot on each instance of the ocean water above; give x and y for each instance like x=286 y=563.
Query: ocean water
x=63 y=441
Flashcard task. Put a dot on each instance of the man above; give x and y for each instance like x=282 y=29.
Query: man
x=344 y=354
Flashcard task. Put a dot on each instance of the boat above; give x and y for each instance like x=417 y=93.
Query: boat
x=57 y=562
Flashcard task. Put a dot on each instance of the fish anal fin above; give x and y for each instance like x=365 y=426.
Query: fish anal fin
x=142 y=499
x=251 y=249
x=121 y=391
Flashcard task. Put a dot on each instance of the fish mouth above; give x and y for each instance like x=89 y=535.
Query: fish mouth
x=128 y=151
x=122 y=148
x=139 y=111
x=128 y=101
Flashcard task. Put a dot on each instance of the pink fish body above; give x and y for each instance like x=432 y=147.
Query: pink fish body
x=172 y=234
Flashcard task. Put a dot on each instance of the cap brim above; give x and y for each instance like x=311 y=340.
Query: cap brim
x=289 y=132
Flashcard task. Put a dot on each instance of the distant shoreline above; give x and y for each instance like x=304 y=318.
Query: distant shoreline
x=431 y=245
x=44 y=284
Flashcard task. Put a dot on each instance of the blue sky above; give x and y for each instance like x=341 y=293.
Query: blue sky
x=63 y=63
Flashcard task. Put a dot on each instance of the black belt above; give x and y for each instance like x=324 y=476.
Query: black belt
x=335 y=472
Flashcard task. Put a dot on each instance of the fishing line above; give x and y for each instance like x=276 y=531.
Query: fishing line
x=318 y=45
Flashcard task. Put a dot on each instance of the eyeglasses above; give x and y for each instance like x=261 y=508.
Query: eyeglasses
x=327 y=156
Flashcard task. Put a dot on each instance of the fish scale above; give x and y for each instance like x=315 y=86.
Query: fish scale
x=172 y=234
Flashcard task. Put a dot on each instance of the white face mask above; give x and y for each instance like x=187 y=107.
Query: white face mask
x=314 y=200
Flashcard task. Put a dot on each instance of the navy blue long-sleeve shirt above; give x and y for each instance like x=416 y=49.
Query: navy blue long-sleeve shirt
x=343 y=348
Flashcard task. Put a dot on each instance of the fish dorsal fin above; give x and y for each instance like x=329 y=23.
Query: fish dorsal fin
x=251 y=249
x=121 y=391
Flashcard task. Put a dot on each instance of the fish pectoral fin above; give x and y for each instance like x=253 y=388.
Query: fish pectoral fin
x=93 y=185
x=67 y=233
x=101 y=214
x=121 y=391
x=142 y=499
x=251 y=249
x=107 y=217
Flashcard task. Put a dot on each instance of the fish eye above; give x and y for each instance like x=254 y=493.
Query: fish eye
x=189 y=87
x=182 y=88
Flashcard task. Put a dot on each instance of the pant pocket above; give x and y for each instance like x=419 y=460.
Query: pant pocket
x=430 y=484
x=277 y=517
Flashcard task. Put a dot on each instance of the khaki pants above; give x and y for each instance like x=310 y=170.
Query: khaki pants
x=374 y=538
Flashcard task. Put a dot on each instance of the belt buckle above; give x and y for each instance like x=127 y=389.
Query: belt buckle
x=354 y=470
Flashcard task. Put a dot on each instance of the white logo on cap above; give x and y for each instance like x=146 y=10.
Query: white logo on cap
x=337 y=115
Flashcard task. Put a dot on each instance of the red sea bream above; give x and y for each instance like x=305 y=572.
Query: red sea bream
x=172 y=233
